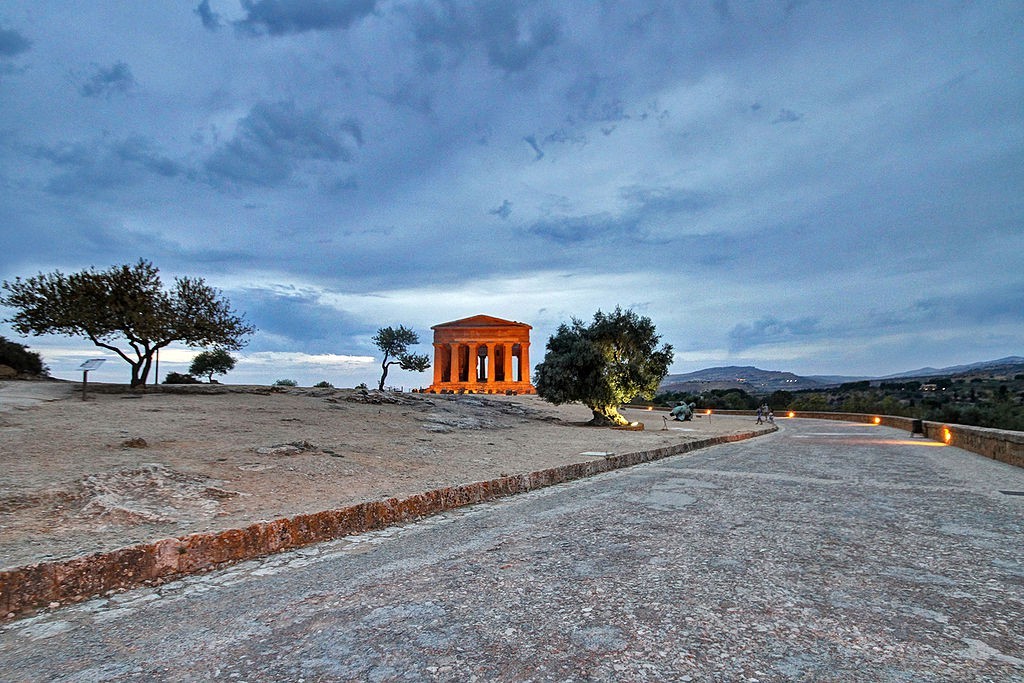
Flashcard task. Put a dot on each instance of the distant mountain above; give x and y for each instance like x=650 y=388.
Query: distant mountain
x=1009 y=366
x=748 y=378
x=755 y=380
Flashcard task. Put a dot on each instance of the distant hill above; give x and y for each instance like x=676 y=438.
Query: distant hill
x=1010 y=365
x=755 y=380
x=748 y=378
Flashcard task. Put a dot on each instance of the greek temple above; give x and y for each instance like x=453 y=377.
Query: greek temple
x=481 y=354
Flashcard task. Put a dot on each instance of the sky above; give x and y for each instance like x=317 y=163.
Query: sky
x=822 y=187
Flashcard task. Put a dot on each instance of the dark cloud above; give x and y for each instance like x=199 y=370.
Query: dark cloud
x=509 y=46
x=13 y=43
x=211 y=20
x=336 y=185
x=665 y=201
x=274 y=138
x=987 y=305
x=88 y=167
x=116 y=78
x=295 y=315
x=531 y=140
x=722 y=10
x=787 y=116
x=770 y=330
x=580 y=229
x=283 y=17
x=509 y=34
x=503 y=211
x=648 y=210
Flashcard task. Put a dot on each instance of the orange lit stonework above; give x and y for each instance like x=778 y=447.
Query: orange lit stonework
x=483 y=355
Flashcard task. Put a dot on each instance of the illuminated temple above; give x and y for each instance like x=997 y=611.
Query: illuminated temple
x=483 y=355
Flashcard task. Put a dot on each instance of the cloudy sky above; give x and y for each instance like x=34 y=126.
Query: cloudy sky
x=825 y=187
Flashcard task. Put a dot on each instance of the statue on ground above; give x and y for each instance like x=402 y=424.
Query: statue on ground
x=683 y=412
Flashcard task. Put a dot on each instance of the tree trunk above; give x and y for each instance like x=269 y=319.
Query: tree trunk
x=140 y=371
x=607 y=416
x=383 y=375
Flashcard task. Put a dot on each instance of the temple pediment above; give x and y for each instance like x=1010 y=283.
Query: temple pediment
x=482 y=321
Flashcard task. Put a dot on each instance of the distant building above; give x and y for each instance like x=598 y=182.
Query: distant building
x=482 y=354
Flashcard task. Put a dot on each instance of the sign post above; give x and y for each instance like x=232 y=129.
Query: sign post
x=85 y=367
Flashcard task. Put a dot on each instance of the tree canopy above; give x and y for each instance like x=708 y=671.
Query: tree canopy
x=604 y=364
x=210 y=363
x=395 y=346
x=125 y=306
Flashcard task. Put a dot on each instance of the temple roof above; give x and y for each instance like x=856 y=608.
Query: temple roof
x=482 y=321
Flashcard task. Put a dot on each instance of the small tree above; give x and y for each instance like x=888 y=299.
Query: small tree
x=210 y=363
x=126 y=303
x=604 y=364
x=395 y=346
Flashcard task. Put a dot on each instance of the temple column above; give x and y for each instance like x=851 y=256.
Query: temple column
x=506 y=356
x=524 y=362
x=437 y=362
x=491 y=365
x=453 y=373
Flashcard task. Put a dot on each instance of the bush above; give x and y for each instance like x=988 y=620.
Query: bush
x=286 y=383
x=179 y=378
x=324 y=385
x=18 y=356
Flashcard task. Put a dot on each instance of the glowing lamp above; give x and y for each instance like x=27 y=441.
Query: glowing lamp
x=791 y=414
x=877 y=420
x=708 y=411
x=650 y=407
x=947 y=435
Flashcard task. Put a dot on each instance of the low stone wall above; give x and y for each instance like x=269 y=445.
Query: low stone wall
x=25 y=589
x=999 y=444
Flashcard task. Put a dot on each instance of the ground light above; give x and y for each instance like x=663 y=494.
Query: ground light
x=947 y=435
x=791 y=414
x=877 y=420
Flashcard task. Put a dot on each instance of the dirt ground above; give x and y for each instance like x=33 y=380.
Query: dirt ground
x=78 y=477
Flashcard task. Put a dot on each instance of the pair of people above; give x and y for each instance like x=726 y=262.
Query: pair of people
x=765 y=413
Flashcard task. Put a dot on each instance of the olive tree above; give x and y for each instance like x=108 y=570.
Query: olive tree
x=210 y=363
x=126 y=310
x=604 y=364
x=395 y=346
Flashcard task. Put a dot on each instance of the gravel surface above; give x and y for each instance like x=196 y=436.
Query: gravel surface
x=824 y=552
x=122 y=468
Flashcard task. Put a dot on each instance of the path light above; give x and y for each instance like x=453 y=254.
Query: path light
x=650 y=407
x=877 y=420
x=947 y=435
x=791 y=414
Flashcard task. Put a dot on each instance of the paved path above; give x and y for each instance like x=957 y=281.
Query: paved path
x=825 y=552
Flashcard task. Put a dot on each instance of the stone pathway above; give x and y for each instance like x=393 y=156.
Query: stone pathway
x=825 y=552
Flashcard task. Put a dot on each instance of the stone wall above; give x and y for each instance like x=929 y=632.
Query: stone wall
x=25 y=589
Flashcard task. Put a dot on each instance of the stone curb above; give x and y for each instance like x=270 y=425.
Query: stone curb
x=25 y=589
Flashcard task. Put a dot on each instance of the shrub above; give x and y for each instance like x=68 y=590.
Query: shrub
x=324 y=385
x=286 y=383
x=18 y=356
x=180 y=378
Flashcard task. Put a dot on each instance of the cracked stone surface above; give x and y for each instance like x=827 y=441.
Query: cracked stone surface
x=824 y=552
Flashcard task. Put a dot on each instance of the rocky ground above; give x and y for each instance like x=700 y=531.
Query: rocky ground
x=121 y=467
